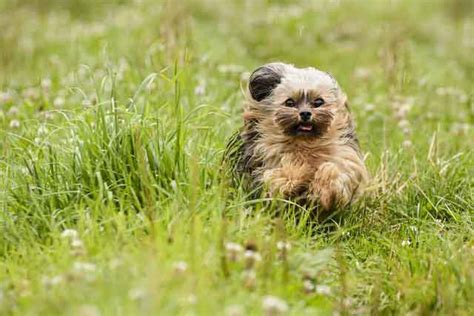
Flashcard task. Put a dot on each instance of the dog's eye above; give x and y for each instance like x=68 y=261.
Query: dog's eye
x=290 y=102
x=317 y=102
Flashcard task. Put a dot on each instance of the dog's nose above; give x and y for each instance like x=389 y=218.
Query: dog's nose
x=305 y=115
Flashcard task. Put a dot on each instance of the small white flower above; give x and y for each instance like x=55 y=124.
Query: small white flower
x=284 y=246
x=77 y=243
x=42 y=130
x=86 y=103
x=230 y=68
x=84 y=267
x=273 y=306
x=234 y=310
x=308 y=286
x=403 y=124
x=406 y=243
x=369 y=107
x=69 y=233
x=115 y=263
x=14 y=124
x=5 y=97
x=30 y=94
x=402 y=112
x=88 y=310
x=463 y=98
x=46 y=84
x=323 y=290
x=58 y=102
x=180 y=267
x=136 y=294
x=53 y=281
x=200 y=88
x=173 y=185
x=251 y=258
x=407 y=144
x=362 y=73
x=233 y=250
x=191 y=299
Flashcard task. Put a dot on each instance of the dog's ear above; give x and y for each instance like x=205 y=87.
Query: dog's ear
x=264 y=79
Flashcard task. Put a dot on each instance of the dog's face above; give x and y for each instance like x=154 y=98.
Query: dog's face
x=296 y=102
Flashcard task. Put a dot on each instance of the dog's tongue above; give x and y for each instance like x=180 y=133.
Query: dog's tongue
x=306 y=128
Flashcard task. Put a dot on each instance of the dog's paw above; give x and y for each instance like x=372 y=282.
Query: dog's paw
x=331 y=187
x=280 y=183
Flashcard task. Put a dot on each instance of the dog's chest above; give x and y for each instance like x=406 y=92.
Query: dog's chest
x=293 y=153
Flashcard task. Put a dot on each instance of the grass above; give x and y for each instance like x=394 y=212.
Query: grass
x=113 y=121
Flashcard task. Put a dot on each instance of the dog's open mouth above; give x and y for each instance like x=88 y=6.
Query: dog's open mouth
x=305 y=127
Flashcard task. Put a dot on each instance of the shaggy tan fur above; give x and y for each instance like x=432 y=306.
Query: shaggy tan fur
x=318 y=159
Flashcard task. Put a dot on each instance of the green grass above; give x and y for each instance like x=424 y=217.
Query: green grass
x=113 y=121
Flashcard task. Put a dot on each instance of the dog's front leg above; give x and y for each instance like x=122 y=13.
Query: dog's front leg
x=333 y=186
x=285 y=181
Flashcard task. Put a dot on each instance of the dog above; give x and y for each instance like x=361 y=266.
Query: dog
x=298 y=139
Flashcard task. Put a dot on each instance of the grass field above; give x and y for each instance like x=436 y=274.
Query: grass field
x=113 y=120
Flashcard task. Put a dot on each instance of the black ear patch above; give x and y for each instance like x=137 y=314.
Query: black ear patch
x=262 y=82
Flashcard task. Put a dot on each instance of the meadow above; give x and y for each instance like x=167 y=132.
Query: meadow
x=114 y=116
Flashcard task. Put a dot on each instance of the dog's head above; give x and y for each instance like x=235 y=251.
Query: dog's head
x=294 y=102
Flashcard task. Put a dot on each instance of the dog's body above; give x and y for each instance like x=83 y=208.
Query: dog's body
x=298 y=139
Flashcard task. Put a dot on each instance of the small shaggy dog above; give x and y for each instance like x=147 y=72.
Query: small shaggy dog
x=298 y=140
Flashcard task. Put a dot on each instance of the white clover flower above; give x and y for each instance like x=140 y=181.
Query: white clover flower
x=42 y=130
x=406 y=243
x=46 y=84
x=58 y=102
x=273 y=306
x=115 y=263
x=191 y=299
x=283 y=245
x=308 y=286
x=84 y=267
x=180 y=267
x=88 y=310
x=403 y=124
x=5 y=97
x=251 y=258
x=323 y=290
x=233 y=250
x=200 y=89
x=86 y=103
x=30 y=94
x=362 y=73
x=230 y=69
x=137 y=294
x=174 y=185
x=370 y=107
x=69 y=233
x=52 y=281
x=14 y=124
x=234 y=310
x=77 y=243
x=407 y=144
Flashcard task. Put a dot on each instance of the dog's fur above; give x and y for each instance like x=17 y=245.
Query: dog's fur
x=318 y=161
